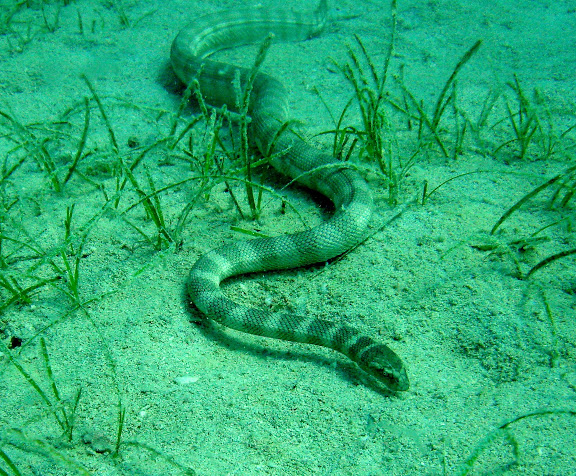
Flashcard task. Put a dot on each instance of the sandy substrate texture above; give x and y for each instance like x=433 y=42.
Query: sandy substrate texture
x=480 y=346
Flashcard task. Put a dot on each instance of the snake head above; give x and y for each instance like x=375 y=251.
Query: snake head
x=383 y=364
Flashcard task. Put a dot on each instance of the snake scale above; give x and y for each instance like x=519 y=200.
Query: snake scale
x=293 y=156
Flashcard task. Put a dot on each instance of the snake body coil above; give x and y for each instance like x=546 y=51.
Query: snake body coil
x=292 y=156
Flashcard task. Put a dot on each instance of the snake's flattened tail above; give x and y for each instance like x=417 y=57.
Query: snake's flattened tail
x=321 y=18
x=322 y=9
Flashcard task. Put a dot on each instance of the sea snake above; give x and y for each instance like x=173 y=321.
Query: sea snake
x=293 y=156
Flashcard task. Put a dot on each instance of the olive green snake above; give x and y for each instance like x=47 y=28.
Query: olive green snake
x=292 y=156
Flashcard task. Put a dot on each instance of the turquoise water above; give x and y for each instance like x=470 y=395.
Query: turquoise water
x=110 y=191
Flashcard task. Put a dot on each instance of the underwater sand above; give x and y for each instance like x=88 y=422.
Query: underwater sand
x=477 y=341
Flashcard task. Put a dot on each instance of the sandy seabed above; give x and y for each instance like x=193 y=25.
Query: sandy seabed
x=482 y=346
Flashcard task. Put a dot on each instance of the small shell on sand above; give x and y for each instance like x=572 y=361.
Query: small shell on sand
x=186 y=379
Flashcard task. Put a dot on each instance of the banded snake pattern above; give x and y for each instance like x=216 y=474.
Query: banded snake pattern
x=293 y=156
